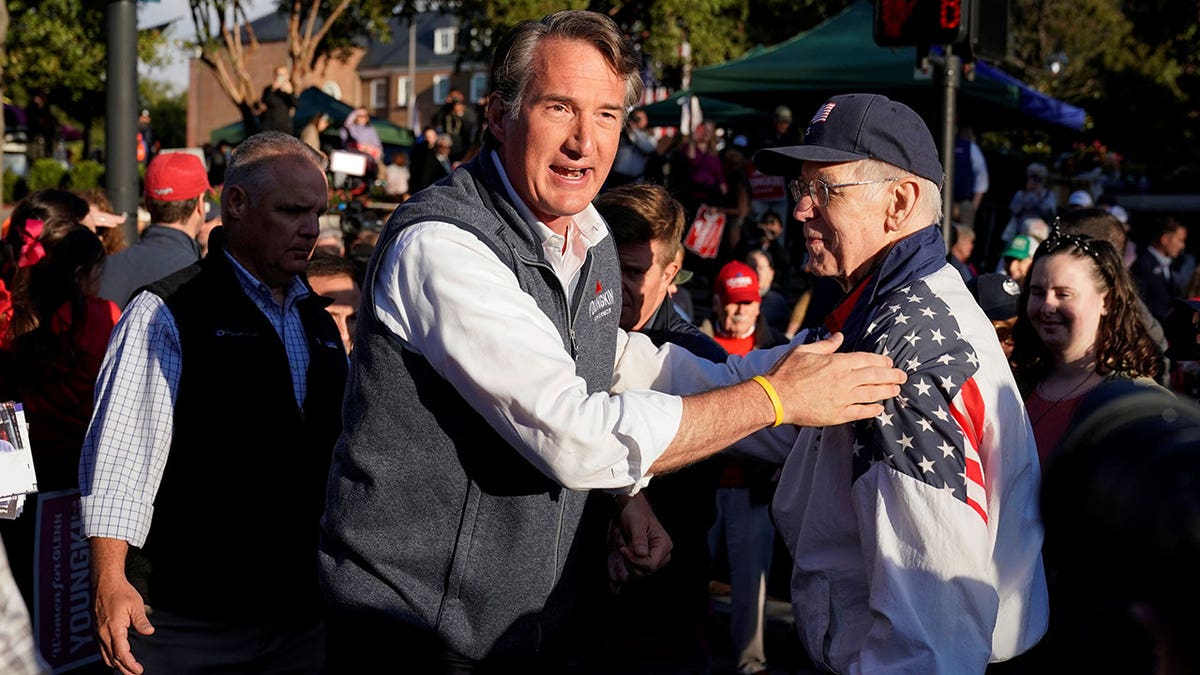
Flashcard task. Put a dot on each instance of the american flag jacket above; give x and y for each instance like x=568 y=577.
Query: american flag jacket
x=916 y=535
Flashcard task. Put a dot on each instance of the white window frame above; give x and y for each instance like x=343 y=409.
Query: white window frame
x=441 y=88
x=402 y=91
x=378 y=93
x=479 y=83
x=444 y=40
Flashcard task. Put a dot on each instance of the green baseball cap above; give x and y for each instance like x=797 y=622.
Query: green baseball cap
x=1020 y=248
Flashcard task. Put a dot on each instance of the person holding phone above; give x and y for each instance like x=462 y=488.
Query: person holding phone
x=278 y=103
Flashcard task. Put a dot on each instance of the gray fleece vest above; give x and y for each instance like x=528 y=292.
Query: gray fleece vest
x=431 y=516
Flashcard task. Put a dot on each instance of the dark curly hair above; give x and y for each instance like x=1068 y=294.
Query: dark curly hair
x=1122 y=343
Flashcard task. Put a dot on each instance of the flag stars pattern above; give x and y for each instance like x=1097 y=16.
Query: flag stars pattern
x=916 y=435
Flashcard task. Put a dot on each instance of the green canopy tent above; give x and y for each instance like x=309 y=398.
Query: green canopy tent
x=840 y=56
x=313 y=102
x=666 y=113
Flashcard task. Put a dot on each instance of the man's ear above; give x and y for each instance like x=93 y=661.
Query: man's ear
x=902 y=203
x=495 y=117
x=671 y=269
x=237 y=200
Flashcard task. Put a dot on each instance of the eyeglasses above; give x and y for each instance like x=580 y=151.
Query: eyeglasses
x=818 y=190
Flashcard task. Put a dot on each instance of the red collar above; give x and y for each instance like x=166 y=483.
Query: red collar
x=837 y=318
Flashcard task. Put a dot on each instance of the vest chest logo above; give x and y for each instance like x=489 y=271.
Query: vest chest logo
x=601 y=305
x=230 y=333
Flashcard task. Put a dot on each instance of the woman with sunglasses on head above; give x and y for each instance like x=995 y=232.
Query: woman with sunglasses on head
x=1078 y=324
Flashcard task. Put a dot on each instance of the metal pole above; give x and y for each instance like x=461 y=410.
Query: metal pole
x=414 y=120
x=121 y=174
x=951 y=69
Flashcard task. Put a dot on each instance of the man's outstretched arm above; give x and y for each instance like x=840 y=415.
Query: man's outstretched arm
x=815 y=387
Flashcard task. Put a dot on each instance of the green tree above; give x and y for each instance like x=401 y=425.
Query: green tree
x=168 y=109
x=58 y=46
x=773 y=21
x=1135 y=68
x=715 y=30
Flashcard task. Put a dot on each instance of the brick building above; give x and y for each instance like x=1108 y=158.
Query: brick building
x=377 y=76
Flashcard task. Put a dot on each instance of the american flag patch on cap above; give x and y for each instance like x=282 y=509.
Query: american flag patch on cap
x=823 y=113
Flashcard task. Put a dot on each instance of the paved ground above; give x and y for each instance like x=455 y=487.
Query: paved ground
x=785 y=654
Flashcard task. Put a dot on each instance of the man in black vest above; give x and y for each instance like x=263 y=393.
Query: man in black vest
x=492 y=387
x=203 y=471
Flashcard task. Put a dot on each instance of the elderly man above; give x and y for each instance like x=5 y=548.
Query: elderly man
x=915 y=534
x=737 y=323
x=478 y=412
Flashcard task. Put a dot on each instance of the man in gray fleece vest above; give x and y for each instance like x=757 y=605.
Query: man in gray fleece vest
x=491 y=388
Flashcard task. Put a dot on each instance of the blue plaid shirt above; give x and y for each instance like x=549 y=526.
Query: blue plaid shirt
x=129 y=438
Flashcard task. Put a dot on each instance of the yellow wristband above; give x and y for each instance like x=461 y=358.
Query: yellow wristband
x=773 y=395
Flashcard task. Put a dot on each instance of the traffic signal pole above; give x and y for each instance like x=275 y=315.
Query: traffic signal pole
x=951 y=67
x=920 y=23
x=120 y=156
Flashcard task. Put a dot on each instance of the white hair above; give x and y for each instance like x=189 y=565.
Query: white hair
x=929 y=205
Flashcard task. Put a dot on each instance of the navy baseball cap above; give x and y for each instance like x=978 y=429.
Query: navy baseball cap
x=997 y=295
x=853 y=127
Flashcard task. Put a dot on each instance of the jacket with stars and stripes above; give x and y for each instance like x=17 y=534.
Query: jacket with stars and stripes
x=916 y=535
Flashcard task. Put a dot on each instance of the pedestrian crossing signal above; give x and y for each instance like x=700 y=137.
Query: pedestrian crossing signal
x=901 y=23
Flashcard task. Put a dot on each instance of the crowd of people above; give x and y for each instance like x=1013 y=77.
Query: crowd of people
x=494 y=436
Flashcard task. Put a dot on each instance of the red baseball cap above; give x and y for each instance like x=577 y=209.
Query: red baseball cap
x=176 y=176
x=737 y=282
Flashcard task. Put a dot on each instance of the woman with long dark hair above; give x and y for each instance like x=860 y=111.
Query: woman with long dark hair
x=49 y=361
x=37 y=221
x=1078 y=324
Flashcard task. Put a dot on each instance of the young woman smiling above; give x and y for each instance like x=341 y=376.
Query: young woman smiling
x=1078 y=324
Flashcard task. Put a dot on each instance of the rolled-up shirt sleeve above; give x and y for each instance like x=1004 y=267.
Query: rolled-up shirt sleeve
x=445 y=295
x=129 y=438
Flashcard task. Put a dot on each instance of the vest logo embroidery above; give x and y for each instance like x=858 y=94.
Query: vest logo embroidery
x=601 y=305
